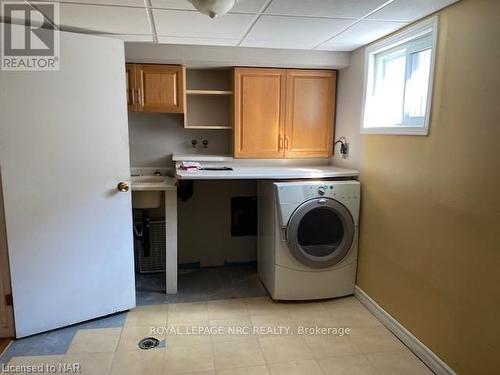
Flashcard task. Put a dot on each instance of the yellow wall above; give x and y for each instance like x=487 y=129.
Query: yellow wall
x=430 y=223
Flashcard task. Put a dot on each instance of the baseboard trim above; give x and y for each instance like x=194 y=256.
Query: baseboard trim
x=415 y=345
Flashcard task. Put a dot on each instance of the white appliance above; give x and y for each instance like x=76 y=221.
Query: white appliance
x=308 y=238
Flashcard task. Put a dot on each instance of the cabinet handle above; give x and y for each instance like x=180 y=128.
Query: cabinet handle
x=132 y=96
x=280 y=143
x=139 y=99
x=286 y=143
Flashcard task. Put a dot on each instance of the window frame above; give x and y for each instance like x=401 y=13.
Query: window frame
x=429 y=28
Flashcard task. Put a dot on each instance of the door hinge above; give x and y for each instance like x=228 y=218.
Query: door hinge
x=8 y=300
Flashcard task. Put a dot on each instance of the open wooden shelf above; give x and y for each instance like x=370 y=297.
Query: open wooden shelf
x=209 y=98
x=209 y=92
x=220 y=127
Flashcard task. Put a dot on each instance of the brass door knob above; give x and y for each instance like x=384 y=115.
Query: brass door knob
x=123 y=187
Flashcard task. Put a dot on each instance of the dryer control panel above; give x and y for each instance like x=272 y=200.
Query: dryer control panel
x=290 y=195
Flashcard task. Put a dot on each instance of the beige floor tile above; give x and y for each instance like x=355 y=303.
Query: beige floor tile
x=194 y=358
x=357 y=316
x=138 y=362
x=243 y=354
x=227 y=309
x=284 y=349
x=264 y=306
x=91 y=363
x=147 y=316
x=103 y=340
x=376 y=339
x=254 y=370
x=342 y=303
x=396 y=363
x=187 y=334
x=131 y=336
x=307 y=311
x=347 y=365
x=40 y=361
x=234 y=330
x=328 y=346
x=307 y=367
x=34 y=360
x=187 y=312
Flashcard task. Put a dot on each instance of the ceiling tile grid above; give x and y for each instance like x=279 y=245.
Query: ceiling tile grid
x=295 y=32
x=360 y=34
x=242 y=6
x=353 y=9
x=328 y=25
x=193 y=24
x=104 y=19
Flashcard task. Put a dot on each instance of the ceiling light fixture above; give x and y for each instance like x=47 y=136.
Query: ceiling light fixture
x=213 y=8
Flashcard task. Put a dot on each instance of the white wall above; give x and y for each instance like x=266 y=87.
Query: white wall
x=155 y=137
x=348 y=117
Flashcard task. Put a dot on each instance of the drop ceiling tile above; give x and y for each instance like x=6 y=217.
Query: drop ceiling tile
x=134 y=3
x=172 y=4
x=324 y=8
x=196 y=25
x=105 y=19
x=287 y=44
x=250 y=6
x=130 y=38
x=361 y=34
x=198 y=41
x=242 y=6
x=410 y=10
x=292 y=32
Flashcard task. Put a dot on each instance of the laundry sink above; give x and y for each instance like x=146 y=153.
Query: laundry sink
x=152 y=183
x=146 y=199
x=147 y=179
x=147 y=190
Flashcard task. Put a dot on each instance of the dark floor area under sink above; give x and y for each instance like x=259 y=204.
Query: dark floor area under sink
x=201 y=284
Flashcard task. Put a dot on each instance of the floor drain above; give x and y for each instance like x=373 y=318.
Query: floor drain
x=148 y=343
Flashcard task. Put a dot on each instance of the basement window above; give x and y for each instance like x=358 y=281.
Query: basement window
x=398 y=82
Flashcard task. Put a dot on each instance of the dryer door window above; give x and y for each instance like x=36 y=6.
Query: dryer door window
x=320 y=232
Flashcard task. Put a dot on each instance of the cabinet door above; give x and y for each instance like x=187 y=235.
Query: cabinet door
x=310 y=106
x=130 y=74
x=161 y=88
x=259 y=113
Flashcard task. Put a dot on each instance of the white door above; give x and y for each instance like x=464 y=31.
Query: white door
x=63 y=150
x=6 y=312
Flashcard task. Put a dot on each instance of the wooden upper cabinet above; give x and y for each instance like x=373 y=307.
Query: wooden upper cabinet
x=310 y=107
x=283 y=113
x=157 y=88
x=131 y=87
x=259 y=112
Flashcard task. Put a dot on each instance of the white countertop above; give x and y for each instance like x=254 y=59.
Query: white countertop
x=260 y=172
x=152 y=183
